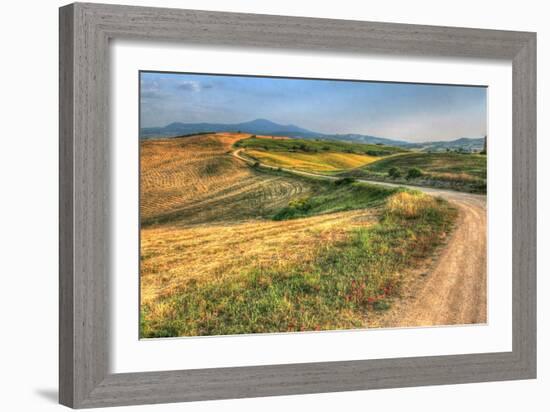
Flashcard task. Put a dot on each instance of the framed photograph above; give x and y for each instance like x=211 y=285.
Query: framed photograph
x=255 y=205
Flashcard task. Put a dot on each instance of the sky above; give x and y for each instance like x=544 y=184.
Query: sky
x=412 y=112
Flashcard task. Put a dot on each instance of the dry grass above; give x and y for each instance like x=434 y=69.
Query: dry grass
x=454 y=177
x=463 y=172
x=179 y=171
x=200 y=210
x=410 y=205
x=272 y=137
x=173 y=256
x=213 y=261
x=324 y=272
x=192 y=180
x=313 y=162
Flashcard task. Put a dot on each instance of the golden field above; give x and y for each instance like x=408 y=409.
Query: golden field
x=200 y=210
x=174 y=255
x=312 y=162
x=227 y=247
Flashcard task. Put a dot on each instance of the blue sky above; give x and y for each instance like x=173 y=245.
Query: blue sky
x=412 y=112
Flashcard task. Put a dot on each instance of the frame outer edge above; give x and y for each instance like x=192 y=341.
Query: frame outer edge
x=525 y=206
x=84 y=252
x=66 y=216
x=303 y=33
x=83 y=205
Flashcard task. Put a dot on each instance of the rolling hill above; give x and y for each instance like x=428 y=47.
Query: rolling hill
x=462 y=144
x=258 y=126
x=229 y=248
x=465 y=172
x=315 y=146
x=320 y=156
x=267 y=127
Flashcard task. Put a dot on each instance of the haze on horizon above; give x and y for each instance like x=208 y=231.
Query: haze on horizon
x=402 y=111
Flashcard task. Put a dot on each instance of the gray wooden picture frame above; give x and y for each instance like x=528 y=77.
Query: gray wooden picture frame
x=85 y=31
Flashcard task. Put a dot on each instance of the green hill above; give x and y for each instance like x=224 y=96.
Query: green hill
x=312 y=146
x=464 y=172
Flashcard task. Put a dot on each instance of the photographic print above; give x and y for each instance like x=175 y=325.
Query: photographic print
x=276 y=205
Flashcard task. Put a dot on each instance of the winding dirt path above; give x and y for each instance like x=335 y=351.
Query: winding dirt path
x=454 y=288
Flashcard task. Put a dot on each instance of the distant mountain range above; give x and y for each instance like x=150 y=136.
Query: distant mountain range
x=267 y=127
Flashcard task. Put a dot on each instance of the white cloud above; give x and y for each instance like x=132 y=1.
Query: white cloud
x=190 y=85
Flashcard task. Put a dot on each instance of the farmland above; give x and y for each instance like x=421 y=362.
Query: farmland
x=466 y=172
x=319 y=156
x=230 y=248
x=459 y=171
x=312 y=162
x=313 y=146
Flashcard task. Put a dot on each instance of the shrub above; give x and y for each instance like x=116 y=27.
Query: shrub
x=302 y=204
x=256 y=164
x=344 y=181
x=296 y=208
x=414 y=173
x=394 y=173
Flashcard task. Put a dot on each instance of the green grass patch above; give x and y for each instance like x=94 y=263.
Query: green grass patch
x=316 y=146
x=472 y=164
x=459 y=171
x=335 y=290
x=338 y=196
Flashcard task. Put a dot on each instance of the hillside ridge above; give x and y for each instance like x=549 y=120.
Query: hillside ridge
x=267 y=127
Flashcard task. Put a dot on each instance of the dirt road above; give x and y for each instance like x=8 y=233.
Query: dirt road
x=453 y=290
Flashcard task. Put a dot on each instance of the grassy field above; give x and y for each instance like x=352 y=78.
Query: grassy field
x=314 y=146
x=312 y=162
x=319 y=156
x=227 y=248
x=464 y=172
x=193 y=180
